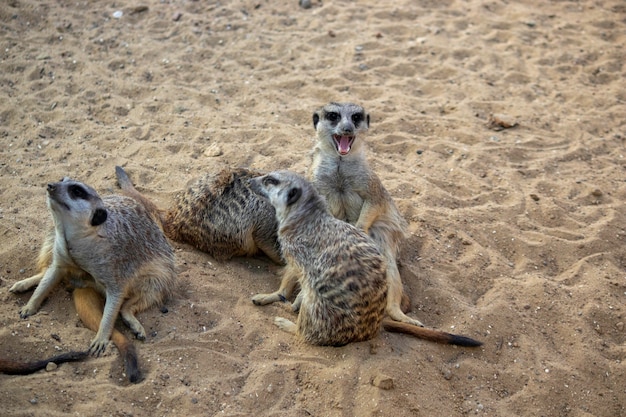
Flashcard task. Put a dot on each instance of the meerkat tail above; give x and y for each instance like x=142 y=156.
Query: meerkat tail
x=89 y=306
x=129 y=189
x=432 y=335
x=11 y=367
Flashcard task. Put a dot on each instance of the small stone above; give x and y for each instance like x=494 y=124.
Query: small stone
x=213 y=151
x=534 y=197
x=51 y=366
x=596 y=193
x=176 y=17
x=305 y=4
x=620 y=326
x=383 y=382
x=500 y=121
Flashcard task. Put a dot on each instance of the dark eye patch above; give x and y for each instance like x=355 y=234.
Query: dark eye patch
x=357 y=118
x=77 y=192
x=332 y=116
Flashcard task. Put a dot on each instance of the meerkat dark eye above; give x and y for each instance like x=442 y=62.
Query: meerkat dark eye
x=332 y=116
x=270 y=181
x=357 y=118
x=77 y=192
x=293 y=195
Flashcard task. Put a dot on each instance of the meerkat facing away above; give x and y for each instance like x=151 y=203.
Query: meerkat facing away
x=343 y=280
x=110 y=246
x=221 y=215
x=354 y=193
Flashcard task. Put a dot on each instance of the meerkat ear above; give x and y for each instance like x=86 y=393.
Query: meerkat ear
x=99 y=216
x=293 y=195
x=316 y=119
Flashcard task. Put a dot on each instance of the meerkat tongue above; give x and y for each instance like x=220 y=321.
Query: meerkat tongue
x=344 y=144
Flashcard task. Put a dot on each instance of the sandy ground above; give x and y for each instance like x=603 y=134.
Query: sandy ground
x=517 y=235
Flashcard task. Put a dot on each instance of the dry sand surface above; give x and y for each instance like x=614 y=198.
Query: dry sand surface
x=517 y=236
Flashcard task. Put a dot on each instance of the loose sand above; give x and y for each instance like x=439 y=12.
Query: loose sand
x=517 y=235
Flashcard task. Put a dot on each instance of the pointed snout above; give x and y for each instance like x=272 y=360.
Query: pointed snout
x=346 y=127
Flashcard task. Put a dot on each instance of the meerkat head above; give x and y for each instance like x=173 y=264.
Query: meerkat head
x=286 y=191
x=76 y=203
x=337 y=125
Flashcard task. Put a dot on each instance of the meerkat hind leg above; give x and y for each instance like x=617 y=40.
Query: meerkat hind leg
x=395 y=293
x=286 y=325
x=26 y=284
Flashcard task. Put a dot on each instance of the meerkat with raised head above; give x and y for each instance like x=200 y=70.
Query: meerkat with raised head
x=343 y=279
x=110 y=246
x=221 y=215
x=354 y=193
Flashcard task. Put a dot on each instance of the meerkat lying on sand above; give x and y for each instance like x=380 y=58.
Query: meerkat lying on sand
x=109 y=246
x=343 y=279
x=221 y=216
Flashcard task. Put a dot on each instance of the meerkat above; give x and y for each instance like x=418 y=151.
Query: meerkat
x=221 y=215
x=343 y=279
x=111 y=247
x=355 y=194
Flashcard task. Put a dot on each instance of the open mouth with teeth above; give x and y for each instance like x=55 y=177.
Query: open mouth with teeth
x=343 y=143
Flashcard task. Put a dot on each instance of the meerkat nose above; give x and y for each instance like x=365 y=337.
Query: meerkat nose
x=52 y=187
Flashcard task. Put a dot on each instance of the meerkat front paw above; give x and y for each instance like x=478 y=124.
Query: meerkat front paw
x=27 y=311
x=98 y=346
x=264 y=299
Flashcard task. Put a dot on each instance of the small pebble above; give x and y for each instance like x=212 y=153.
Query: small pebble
x=51 y=366
x=596 y=193
x=118 y=14
x=305 y=4
x=534 y=197
x=500 y=121
x=213 y=151
x=383 y=382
